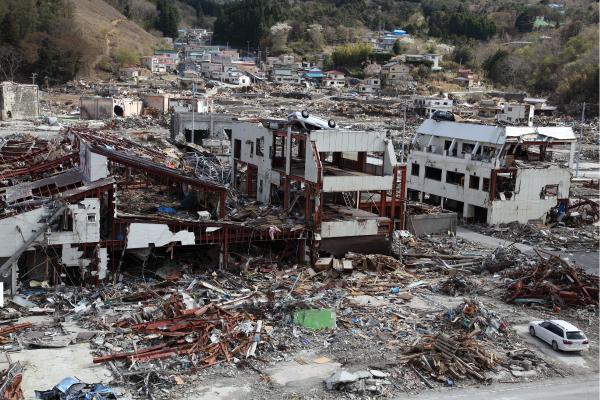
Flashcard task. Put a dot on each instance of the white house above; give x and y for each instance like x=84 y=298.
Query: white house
x=516 y=114
x=334 y=79
x=493 y=174
x=426 y=106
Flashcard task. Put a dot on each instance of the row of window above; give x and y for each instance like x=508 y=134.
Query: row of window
x=453 y=178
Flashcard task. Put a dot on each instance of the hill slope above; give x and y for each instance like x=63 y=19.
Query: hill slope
x=104 y=30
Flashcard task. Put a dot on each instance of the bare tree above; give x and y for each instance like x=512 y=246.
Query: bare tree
x=10 y=61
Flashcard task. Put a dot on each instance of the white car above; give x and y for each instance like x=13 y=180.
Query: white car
x=560 y=334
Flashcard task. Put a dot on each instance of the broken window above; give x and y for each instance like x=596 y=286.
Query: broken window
x=549 y=191
x=237 y=148
x=486 y=185
x=433 y=173
x=260 y=142
x=415 y=169
x=505 y=185
x=455 y=178
x=468 y=148
x=91 y=218
x=473 y=182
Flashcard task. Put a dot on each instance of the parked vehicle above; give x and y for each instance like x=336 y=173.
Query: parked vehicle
x=560 y=334
x=443 y=116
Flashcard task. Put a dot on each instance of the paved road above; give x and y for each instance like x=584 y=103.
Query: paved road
x=586 y=388
x=588 y=261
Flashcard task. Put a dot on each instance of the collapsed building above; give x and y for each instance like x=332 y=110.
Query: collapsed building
x=342 y=184
x=491 y=174
x=75 y=206
x=71 y=215
x=96 y=107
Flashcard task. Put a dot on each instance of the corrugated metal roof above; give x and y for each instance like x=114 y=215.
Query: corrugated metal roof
x=473 y=132
x=554 y=132
x=491 y=133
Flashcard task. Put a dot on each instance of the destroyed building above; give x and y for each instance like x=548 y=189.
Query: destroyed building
x=205 y=129
x=18 y=101
x=490 y=174
x=96 y=107
x=85 y=205
x=342 y=184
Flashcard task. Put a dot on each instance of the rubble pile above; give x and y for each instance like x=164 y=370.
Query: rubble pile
x=371 y=382
x=10 y=382
x=170 y=334
x=159 y=120
x=552 y=281
x=441 y=253
x=505 y=257
x=447 y=358
x=455 y=286
x=474 y=317
x=557 y=237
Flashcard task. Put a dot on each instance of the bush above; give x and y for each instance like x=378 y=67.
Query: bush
x=351 y=55
x=105 y=64
x=125 y=57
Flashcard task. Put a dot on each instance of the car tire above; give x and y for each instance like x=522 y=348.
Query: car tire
x=554 y=345
x=532 y=331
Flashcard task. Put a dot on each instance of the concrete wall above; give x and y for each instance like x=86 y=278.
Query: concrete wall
x=93 y=166
x=349 y=141
x=18 y=101
x=96 y=107
x=426 y=224
x=464 y=193
x=86 y=224
x=14 y=231
x=141 y=236
x=335 y=229
x=248 y=133
x=159 y=102
x=527 y=204
x=214 y=123
x=130 y=107
x=353 y=183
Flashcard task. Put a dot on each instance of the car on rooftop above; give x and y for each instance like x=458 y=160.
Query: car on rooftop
x=561 y=335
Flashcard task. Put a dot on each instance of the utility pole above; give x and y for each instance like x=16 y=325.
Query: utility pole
x=193 y=100
x=33 y=75
x=403 y=135
x=580 y=139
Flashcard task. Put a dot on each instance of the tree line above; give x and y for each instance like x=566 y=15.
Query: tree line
x=38 y=37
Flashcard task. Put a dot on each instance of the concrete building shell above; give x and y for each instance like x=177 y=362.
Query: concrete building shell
x=491 y=174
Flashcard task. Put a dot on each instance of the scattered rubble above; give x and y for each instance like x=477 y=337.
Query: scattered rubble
x=552 y=281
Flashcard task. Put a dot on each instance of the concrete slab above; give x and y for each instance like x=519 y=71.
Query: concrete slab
x=45 y=367
x=226 y=389
x=297 y=376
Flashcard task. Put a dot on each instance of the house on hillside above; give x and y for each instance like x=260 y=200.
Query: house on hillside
x=334 y=79
x=396 y=75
